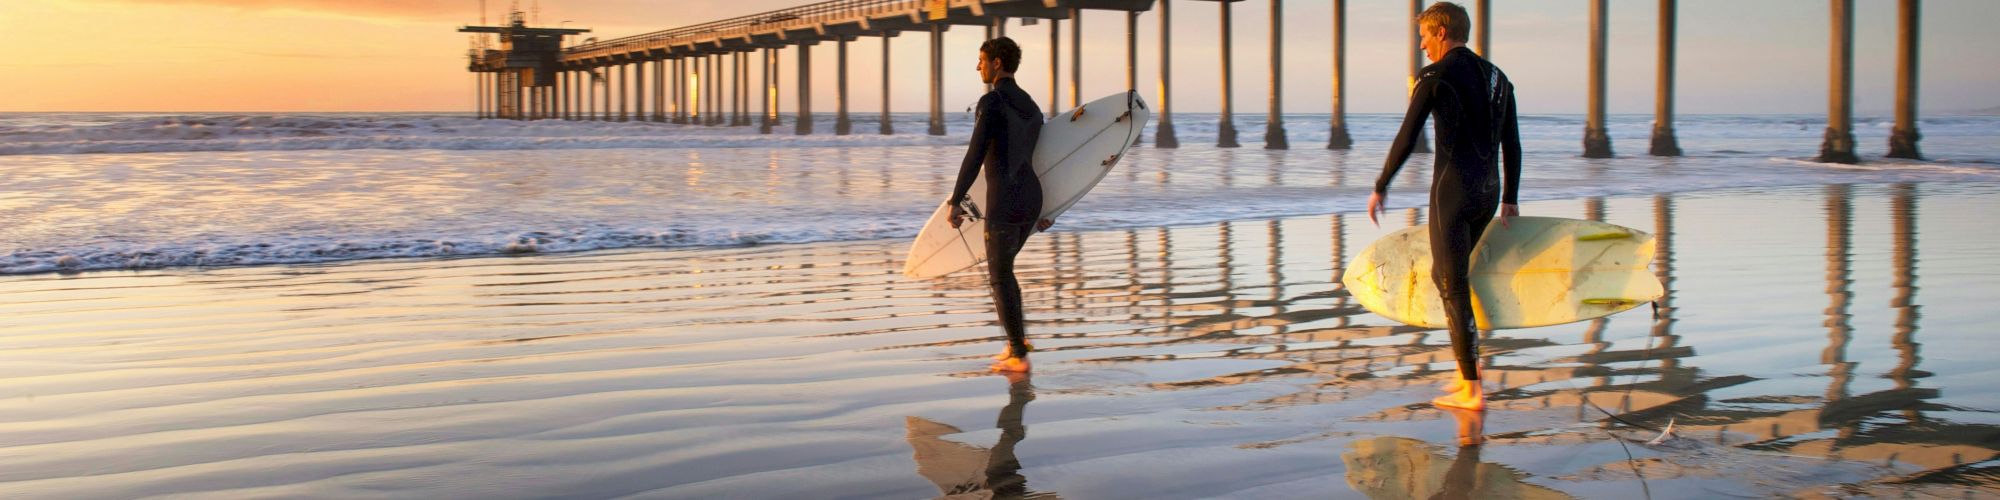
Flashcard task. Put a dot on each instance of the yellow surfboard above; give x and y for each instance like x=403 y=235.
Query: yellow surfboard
x=1539 y=271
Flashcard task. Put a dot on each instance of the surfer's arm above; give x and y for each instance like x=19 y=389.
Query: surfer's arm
x=1406 y=138
x=975 y=151
x=1510 y=146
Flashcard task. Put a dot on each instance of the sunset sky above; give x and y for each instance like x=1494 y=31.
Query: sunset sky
x=1768 y=56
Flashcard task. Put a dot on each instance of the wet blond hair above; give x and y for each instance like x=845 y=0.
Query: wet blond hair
x=1450 y=17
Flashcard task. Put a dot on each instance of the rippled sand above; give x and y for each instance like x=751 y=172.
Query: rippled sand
x=1816 y=341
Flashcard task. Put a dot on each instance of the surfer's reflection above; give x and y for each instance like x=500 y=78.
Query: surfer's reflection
x=964 y=471
x=1471 y=426
x=1399 y=467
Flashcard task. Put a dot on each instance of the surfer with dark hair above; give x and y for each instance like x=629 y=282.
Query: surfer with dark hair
x=1003 y=142
x=1476 y=135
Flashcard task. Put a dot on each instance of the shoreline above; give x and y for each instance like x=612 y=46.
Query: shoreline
x=530 y=250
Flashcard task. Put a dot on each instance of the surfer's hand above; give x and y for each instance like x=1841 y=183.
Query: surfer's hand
x=1374 y=207
x=1043 y=225
x=957 y=216
x=1508 y=210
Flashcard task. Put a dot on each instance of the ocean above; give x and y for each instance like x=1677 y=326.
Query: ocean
x=112 y=191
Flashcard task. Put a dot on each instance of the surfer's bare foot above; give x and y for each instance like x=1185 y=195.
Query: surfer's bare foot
x=1469 y=395
x=1018 y=365
x=1456 y=384
x=1009 y=352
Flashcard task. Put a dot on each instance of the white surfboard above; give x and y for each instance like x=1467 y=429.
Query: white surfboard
x=1539 y=271
x=1076 y=149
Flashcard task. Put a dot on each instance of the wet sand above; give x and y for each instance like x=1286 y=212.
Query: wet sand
x=1816 y=341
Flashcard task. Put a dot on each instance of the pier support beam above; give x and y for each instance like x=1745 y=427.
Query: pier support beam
x=766 y=86
x=1075 y=58
x=1163 y=133
x=698 y=90
x=680 y=91
x=735 y=89
x=1664 y=143
x=937 y=79
x=1839 y=144
x=639 y=90
x=1483 y=28
x=625 y=92
x=1055 y=67
x=840 y=125
x=743 y=83
x=1903 y=138
x=705 y=91
x=1596 y=141
x=710 y=92
x=777 y=68
x=605 y=113
x=715 y=80
x=1423 y=145
x=1225 y=127
x=660 y=90
x=805 y=123
x=1132 y=58
x=1336 y=133
x=1274 y=126
x=743 y=89
x=886 y=128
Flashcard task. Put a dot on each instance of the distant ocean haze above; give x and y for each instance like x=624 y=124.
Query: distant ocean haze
x=95 y=191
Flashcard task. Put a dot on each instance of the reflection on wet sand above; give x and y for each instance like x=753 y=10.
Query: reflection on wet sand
x=1399 y=467
x=1216 y=360
x=965 y=471
x=1334 y=352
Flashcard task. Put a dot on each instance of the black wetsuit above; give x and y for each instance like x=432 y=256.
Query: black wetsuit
x=1476 y=134
x=1003 y=142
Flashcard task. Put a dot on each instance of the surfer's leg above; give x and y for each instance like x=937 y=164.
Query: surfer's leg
x=1453 y=236
x=1451 y=252
x=1003 y=242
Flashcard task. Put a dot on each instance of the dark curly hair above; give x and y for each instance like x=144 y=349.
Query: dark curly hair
x=1005 y=49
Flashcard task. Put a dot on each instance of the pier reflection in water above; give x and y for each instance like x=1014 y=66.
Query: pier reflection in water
x=1254 y=292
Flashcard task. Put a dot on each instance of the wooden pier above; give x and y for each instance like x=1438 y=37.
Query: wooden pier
x=699 y=74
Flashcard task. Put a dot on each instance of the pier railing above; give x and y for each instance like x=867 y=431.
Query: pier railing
x=802 y=16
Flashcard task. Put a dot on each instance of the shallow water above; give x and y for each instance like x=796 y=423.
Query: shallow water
x=1816 y=340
